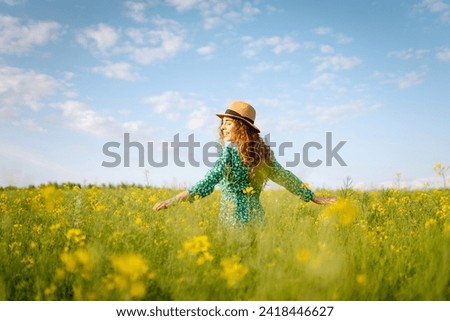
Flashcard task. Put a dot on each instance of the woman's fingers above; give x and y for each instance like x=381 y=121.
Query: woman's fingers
x=331 y=199
x=160 y=206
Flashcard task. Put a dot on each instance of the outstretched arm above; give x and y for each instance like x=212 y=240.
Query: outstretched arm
x=202 y=188
x=183 y=196
x=292 y=183
x=322 y=200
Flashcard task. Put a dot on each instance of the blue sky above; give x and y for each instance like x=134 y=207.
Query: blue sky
x=75 y=75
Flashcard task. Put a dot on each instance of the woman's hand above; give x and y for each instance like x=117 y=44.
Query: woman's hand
x=322 y=200
x=165 y=204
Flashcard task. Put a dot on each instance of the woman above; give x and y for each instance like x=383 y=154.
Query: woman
x=242 y=170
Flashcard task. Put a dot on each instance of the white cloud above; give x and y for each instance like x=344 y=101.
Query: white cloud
x=101 y=37
x=17 y=38
x=338 y=37
x=277 y=45
x=336 y=62
x=207 y=50
x=288 y=124
x=123 y=71
x=7 y=113
x=69 y=75
x=322 y=80
x=198 y=118
x=409 y=54
x=326 y=49
x=167 y=44
x=265 y=67
x=29 y=124
x=322 y=31
x=82 y=118
x=173 y=105
x=408 y=80
x=143 y=45
x=218 y=12
x=183 y=5
x=333 y=113
x=437 y=7
x=136 y=10
x=444 y=55
x=316 y=115
x=171 y=101
x=247 y=74
x=343 y=39
x=152 y=45
x=20 y=87
x=12 y=2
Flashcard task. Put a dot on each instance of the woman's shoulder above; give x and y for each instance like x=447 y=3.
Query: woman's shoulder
x=229 y=149
x=230 y=154
x=225 y=152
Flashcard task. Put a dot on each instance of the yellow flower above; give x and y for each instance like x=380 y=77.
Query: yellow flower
x=69 y=261
x=79 y=261
x=343 y=210
x=137 y=289
x=379 y=209
x=361 y=279
x=15 y=247
x=28 y=261
x=447 y=228
x=443 y=211
x=437 y=166
x=248 y=190
x=98 y=207
x=304 y=255
x=197 y=247
x=430 y=223
x=60 y=274
x=52 y=197
x=204 y=257
x=37 y=228
x=47 y=191
x=33 y=245
x=55 y=227
x=232 y=270
x=197 y=244
x=130 y=274
x=76 y=237
x=48 y=292
x=131 y=265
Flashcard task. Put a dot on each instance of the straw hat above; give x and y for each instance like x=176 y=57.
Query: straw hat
x=243 y=111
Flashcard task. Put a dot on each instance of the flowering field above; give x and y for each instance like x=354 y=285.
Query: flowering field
x=105 y=243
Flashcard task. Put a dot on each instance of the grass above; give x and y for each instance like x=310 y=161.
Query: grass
x=66 y=242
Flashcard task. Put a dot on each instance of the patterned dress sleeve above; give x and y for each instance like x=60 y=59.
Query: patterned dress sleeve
x=288 y=180
x=206 y=186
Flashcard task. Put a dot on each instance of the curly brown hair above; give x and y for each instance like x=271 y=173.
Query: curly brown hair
x=254 y=152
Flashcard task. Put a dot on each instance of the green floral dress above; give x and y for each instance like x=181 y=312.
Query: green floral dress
x=240 y=202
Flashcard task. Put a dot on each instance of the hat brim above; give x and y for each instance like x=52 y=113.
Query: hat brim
x=240 y=118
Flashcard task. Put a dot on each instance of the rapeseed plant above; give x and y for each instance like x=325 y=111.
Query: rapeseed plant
x=233 y=271
x=105 y=243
